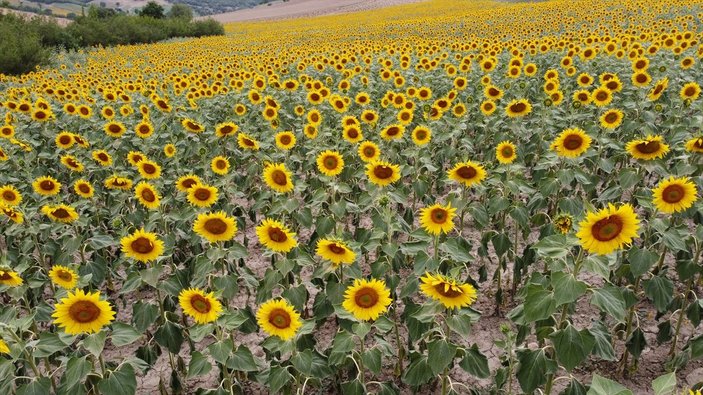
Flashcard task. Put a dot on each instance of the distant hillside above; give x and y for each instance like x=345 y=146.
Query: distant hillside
x=71 y=8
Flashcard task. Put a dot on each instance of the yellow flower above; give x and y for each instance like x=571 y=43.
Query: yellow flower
x=366 y=300
x=335 y=251
x=201 y=306
x=330 y=163
x=488 y=107
x=506 y=152
x=563 y=223
x=690 y=91
x=571 y=143
x=186 y=182
x=382 y=173
x=651 y=147
x=436 y=219
x=114 y=129
x=102 y=157
x=611 y=119
x=285 y=140
x=278 y=178
x=226 y=129
x=609 y=229
x=72 y=163
x=46 y=186
x=82 y=312
x=247 y=142
x=215 y=227
x=421 y=135
x=369 y=151
x=64 y=140
x=11 y=213
x=10 y=196
x=447 y=291
x=277 y=317
x=518 y=108
x=658 y=89
x=60 y=213
x=192 y=126
x=147 y=195
x=117 y=182
x=148 y=169
x=695 y=145
x=276 y=236
x=393 y=132
x=144 y=129
x=142 y=246
x=202 y=195
x=220 y=165
x=352 y=133
x=4 y=349
x=601 y=97
x=63 y=277
x=467 y=173
x=10 y=278
x=674 y=195
x=83 y=188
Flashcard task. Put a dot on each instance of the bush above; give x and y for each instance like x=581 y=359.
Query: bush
x=21 y=48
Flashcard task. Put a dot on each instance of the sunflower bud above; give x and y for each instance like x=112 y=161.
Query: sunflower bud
x=469 y=99
x=658 y=108
x=548 y=102
x=563 y=223
x=522 y=85
x=383 y=201
x=576 y=104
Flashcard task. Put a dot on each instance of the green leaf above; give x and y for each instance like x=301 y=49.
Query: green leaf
x=567 y=289
x=610 y=299
x=475 y=363
x=440 y=355
x=123 y=334
x=98 y=242
x=571 y=346
x=574 y=388
x=341 y=346
x=603 y=346
x=664 y=385
x=76 y=371
x=418 y=373
x=372 y=360
x=144 y=314
x=533 y=369
x=660 y=290
x=458 y=249
x=539 y=303
x=461 y=324
x=41 y=386
x=311 y=364
x=501 y=243
x=278 y=377
x=169 y=335
x=119 y=382
x=636 y=343
x=354 y=387
x=221 y=350
x=242 y=360
x=602 y=386
x=48 y=344
x=641 y=260
x=95 y=343
x=198 y=365
x=555 y=246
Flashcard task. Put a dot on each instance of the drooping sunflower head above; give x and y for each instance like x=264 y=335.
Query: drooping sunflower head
x=277 y=317
x=563 y=223
x=82 y=312
x=447 y=291
x=518 y=108
x=220 y=165
x=648 y=148
x=117 y=182
x=226 y=129
x=60 y=213
x=247 y=142
x=382 y=173
x=421 y=135
x=675 y=194
x=330 y=163
x=275 y=236
x=192 y=126
x=571 y=143
x=215 y=227
x=202 y=307
x=142 y=246
x=506 y=152
x=72 y=163
x=335 y=251
x=46 y=186
x=609 y=229
x=695 y=145
x=10 y=278
x=285 y=140
x=366 y=300
x=147 y=195
x=658 y=89
x=278 y=178
x=12 y=213
x=9 y=196
x=468 y=173
x=63 y=276
x=202 y=195
x=186 y=182
x=436 y=219
x=368 y=151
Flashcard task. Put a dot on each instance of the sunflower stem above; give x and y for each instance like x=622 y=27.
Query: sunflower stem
x=28 y=356
x=436 y=249
x=684 y=306
x=362 y=375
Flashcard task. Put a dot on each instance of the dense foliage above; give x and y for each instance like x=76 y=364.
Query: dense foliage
x=466 y=197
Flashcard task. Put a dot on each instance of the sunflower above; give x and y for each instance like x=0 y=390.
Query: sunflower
x=695 y=145
x=436 y=219
x=42 y=115
x=421 y=135
x=117 y=182
x=601 y=97
x=60 y=213
x=142 y=246
x=83 y=188
x=82 y=312
x=369 y=151
x=314 y=117
x=72 y=163
x=335 y=251
x=276 y=236
x=641 y=79
x=518 y=108
x=192 y=126
x=78 y=139
x=285 y=140
x=102 y=157
x=148 y=169
x=310 y=131
x=369 y=117
x=202 y=195
x=690 y=91
x=446 y=291
x=608 y=229
x=147 y=195
x=277 y=317
x=488 y=107
x=63 y=277
x=114 y=129
x=46 y=186
x=382 y=173
x=203 y=307
x=13 y=214
x=144 y=129
x=220 y=165
x=563 y=223
x=581 y=96
x=134 y=157
x=64 y=140
x=506 y=152
x=9 y=196
x=215 y=227
x=10 y=278
x=658 y=89
x=278 y=178
x=651 y=147
x=611 y=119
x=352 y=134
x=186 y=182
x=571 y=143
x=467 y=173
x=675 y=194
x=3 y=156
x=247 y=142
x=169 y=150
x=367 y=299
x=4 y=349
x=226 y=129
x=393 y=132
x=330 y=163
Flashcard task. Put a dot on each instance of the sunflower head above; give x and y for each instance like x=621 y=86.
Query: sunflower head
x=186 y=182
x=674 y=195
x=10 y=278
x=506 y=152
x=382 y=173
x=10 y=196
x=277 y=317
x=82 y=312
x=330 y=163
x=335 y=251
x=571 y=143
x=46 y=186
x=60 y=213
x=421 y=135
x=201 y=306
x=563 y=223
x=215 y=227
x=368 y=151
x=518 y=108
x=63 y=276
x=436 y=219
x=285 y=140
x=695 y=145
x=147 y=195
x=220 y=165
x=142 y=246
x=651 y=147
x=366 y=300
x=468 y=173
x=609 y=229
x=447 y=291
x=278 y=178
x=202 y=195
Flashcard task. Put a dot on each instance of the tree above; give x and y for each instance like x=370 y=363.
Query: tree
x=181 y=11
x=152 y=9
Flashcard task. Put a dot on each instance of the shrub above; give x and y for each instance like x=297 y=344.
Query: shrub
x=21 y=47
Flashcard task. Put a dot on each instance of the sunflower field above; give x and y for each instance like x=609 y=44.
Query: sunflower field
x=444 y=197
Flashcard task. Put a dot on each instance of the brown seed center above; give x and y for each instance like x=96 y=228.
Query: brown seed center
x=221 y=164
x=9 y=196
x=188 y=183
x=330 y=162
x=673 y=194
x=149 y=168
x=202 y=194
x=65 y=140
x=648 y=147
x=611 y=117
x=216 y=226
x=84 y=311
x=47 y=185
x=383 y=172
x=573 y=142
x=148 y=195
x=64 y=275
x=607 y=228
x=279 y=318
x=518 y=108
x=466 y=172
x=277 y=235
x=447 y=290
x=507 y=151
x=61 y=213
x=143 y=245
x=366 y=297
x=85 y=188
x=285 y=139
x=200 y=304
x=279 y=177
x=439 y=215
x=336 y=249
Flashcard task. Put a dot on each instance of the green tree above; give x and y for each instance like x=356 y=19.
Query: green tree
x=181 y=11
x=153 y=10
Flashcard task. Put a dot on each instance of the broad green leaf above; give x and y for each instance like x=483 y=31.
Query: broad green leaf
x=242 y=360
x=603 y=345
x=571 y=346
x=461 y=324
x=95 y=343
x=418 y=373
x=610 y=300
x=354 y=387
x=661 y=291
x=372 y=360
x=76 y=371
x=440 y=355
x=458 y=249
x=170 y=335
x=278 y=378
x=636 y=343
x=533 y=369
x=48 y=344
x=198 y=365
x=144 y=314
x=574 y=388
x=567 y=288
x=539 y=303
x=602 y=386
x=123 y=334
x=664 y=385
x=641 y=260
x=475 y=363
x=38 y=386
x=119 y=382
